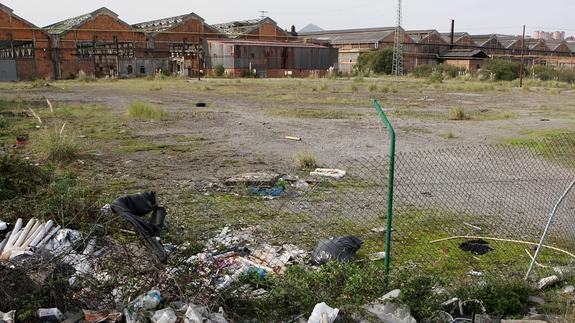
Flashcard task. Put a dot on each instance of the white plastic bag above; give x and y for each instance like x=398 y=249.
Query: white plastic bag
x=320 y=310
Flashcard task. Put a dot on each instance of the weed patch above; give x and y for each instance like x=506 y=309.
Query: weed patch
x=141 y=110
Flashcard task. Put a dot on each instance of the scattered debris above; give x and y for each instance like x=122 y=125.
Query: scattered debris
x=477 y=246
x=545 y=120
x=380 y=230
x=137 y=308
x=474 y=227
x=389 y=310
x=377 y=255
x=568 y=289
x=536 y=300
x=3 y=225
x=328 y=172
x=340 y=249
x=263 y=191
x=201 y=104
x=253 y=179
x=50 y=314
x=547 y=281
x=200 y=314
x=322 y=313
x=21 y=140
x=166 y=315
x=293 y=138
x=102 y=316
x=476 y=273
x=8 y=317
x=133 y=208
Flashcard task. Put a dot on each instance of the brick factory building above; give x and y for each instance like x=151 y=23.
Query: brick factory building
x=99 y=43
x=24 y=49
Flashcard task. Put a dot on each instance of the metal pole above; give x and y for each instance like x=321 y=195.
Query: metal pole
x=551 y=217
x=390 y=180
x=522 y=51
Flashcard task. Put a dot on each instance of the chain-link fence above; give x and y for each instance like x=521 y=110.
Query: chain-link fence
x=461 y=212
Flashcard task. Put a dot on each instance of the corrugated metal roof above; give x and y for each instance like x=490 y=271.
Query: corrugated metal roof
x=553 y=44
x=456 y=36
x=164 y=24
x=508 y=41
x=71 y=23
x=264 y=43
x=351 y=36
x=236 y=28
x=464 y=53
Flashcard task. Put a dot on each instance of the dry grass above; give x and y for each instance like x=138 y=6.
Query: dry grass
x=457 y=113
x=305 y=161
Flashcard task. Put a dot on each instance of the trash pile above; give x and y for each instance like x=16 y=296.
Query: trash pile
x=24 y=240
x=228 y=256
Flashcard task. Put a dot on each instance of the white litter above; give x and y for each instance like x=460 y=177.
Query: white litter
x=328 y=172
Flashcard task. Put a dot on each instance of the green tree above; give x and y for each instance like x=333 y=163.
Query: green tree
x=376 y=61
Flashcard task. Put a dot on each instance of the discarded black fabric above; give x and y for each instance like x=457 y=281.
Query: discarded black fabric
x=478 y=246
x=200 y=104
x=340 y=249
x=133 y=208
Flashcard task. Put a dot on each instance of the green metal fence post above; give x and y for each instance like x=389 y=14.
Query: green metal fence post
x=390 y=179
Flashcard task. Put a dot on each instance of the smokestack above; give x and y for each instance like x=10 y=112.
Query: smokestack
x=452 y=32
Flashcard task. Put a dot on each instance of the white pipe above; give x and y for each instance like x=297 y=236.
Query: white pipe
x=33 y=235
x=25 y=232
x=48 y=237
x=12 y=239
x=17 y=228
x=42 y=234
x=5 y=241
x=37 y=225
x=551 y=217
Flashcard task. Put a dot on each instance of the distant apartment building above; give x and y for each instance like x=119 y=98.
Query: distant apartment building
x=545 y=35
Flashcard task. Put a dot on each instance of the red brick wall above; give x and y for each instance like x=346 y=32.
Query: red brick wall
x=102 y=28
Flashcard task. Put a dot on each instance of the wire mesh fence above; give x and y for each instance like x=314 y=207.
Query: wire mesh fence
x=462 y=212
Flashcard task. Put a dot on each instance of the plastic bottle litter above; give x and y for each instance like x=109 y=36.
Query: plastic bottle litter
x=151 y=300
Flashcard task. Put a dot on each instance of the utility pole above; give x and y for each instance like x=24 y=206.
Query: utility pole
x=397 y=67
x=522 y=55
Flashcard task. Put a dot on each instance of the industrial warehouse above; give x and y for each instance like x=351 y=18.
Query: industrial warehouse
x=101 y=44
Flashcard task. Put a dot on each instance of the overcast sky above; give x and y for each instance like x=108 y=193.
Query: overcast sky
x=473 y=16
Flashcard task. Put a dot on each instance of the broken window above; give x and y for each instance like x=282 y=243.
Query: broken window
x=142 y=69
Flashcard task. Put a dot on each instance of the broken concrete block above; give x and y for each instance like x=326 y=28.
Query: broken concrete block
x=253 y=179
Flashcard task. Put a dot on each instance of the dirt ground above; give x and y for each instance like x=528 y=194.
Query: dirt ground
x=245 y=121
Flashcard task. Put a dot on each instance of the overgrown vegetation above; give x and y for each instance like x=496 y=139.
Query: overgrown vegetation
x=19 y=177
x=56 y=145
x=141 y=110
x=501 y=70
x=375 y=61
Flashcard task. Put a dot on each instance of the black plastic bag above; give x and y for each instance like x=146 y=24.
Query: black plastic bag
x=340 y=249
x=133 y=208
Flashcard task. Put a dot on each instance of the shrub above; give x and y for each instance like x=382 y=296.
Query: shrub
x=545 y=73
x=377 y=61
x=449 y=71
x=424 y=70
x=498 y=297
x=18 y=177
x=305 y=160
x=457 y=113
x=503 y=70
x=219 y=70
x=141 y=110
x=372 y=88
x=56 y=145
x=436 y=77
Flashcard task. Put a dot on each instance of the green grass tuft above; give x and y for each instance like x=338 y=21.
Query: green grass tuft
x=141 y=110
